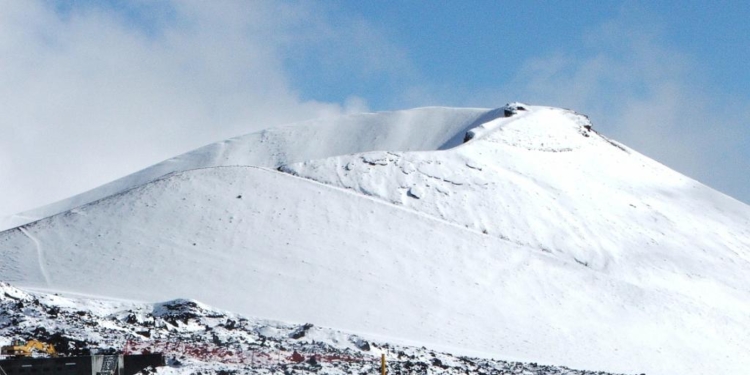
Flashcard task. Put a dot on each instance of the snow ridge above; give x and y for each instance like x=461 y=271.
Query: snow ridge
x=398 y=130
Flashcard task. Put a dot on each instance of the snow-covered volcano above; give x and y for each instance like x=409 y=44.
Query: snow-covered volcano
x=537 y=239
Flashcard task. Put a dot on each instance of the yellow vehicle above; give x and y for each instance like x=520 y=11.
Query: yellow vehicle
x=19 y=349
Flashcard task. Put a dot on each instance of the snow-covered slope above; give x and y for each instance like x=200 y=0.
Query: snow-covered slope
x=545 y=180
x=537 y=240
x=409 y=130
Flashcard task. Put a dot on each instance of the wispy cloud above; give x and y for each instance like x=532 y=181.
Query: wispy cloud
x=93 y=92
x=651 y=97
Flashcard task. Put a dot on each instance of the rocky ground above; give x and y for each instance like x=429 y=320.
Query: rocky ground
x=199 y=340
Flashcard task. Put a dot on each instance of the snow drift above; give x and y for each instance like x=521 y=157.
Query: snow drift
x=538 y=239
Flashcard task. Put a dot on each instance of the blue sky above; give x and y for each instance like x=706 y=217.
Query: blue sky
x=96 y=90
x=482 y=44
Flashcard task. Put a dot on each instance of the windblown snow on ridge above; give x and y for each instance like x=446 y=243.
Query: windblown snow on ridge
x=408 y=130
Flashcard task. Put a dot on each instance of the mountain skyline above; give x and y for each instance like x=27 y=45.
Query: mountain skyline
x=94 y=91
x=519 y=231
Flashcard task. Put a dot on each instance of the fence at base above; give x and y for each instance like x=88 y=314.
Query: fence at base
x=260 y=357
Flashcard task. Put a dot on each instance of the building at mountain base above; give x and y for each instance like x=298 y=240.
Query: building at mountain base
x=85 y=365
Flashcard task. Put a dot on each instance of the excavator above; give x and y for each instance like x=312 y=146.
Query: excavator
x=19 y=349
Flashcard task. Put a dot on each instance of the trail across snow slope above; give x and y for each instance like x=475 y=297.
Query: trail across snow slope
x=568 y=272
x=415 y=129
x=319 y=254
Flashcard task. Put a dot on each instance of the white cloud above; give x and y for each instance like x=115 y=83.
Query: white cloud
x=92 y=93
